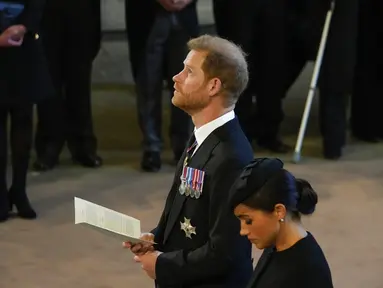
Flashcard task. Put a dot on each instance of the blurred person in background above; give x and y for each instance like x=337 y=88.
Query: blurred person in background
x=259 y=28
x=24 y=80
x=306 y=21
x=157 y=33
x=280 y=37
x=72 y=38
x=336 y=77
x=367 y=96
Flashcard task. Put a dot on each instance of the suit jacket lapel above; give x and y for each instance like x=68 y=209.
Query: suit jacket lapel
x=176 y=179
x=261 y=265
x=170 y=199
x=198 y=161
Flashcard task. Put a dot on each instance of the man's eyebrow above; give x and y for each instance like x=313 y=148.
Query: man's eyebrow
x=189 y=66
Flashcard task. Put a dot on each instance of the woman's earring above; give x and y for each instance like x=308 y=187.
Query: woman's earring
x=281 y=220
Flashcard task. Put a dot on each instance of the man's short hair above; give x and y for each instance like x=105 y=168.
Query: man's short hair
x=225 y=61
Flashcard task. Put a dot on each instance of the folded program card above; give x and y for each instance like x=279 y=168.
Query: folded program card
x=107 y=221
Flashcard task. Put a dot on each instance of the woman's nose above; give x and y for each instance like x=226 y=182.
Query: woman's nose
x=243 y=232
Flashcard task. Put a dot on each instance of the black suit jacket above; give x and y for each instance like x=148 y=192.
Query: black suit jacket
x=241 y=27
x=217 y=256
x=337 y=71
x=24 y=74
x=84 y=15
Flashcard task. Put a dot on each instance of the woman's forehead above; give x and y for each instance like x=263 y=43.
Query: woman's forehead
x=242 y=209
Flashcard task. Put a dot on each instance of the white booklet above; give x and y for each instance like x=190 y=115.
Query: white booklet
x=107 y=221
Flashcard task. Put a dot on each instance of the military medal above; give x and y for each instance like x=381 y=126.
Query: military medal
x=187 y=190
x=192 y=192
x=188 y=228
x=182 y=187
x=199 y=183
x=197 y=194
x=191 y=181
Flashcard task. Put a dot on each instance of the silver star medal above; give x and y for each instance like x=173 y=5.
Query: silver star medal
x=188 y=228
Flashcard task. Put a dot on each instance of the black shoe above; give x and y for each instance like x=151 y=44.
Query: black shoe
x=332 y=156
x=43 y=165
x=332 y=148
x=20 y=200
x=366 y=138
x=47 y=158
x=88 y=160
x=275 y=145
x=151 y=162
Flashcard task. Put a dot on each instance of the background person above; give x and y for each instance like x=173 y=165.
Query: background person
x=24 y=80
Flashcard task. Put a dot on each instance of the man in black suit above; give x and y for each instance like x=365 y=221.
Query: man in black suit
x=71 y=37
x=259 y=27
x=306 y=20
x=366 y=100
x=336 y=77
x=158 y=32
x=197 y=238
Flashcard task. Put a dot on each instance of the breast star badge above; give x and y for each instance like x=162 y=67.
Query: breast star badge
x=188 y=228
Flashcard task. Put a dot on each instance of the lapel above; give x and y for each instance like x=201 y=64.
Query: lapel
x=172 y=194
x=261 y=265
x=178 y=171
x=198 y=161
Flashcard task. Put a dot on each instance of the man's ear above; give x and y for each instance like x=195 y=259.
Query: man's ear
x=214 y=86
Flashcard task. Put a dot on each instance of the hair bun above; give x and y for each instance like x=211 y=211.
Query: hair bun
x=308 y=198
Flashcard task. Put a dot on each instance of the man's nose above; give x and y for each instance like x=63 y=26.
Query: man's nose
x=176 y=77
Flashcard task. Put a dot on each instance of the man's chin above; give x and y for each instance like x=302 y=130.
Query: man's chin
x=176 y=102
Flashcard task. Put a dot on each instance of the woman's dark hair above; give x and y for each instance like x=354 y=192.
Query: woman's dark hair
x=264 y=183
x=296 y=195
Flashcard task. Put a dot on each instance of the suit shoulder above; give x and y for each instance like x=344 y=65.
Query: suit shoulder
x=234 y=147
x=228 y=157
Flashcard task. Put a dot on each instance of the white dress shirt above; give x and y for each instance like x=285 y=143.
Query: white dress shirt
x=204 y=131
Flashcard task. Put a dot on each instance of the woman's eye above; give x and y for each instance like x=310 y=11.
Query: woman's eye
x=248 y=221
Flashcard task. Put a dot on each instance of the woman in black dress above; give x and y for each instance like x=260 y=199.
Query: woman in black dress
x=24 y=79
x=269 y=202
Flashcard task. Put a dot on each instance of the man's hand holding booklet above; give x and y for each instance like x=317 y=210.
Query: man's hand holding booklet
x=114 y=224
x=142 y=247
